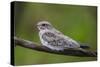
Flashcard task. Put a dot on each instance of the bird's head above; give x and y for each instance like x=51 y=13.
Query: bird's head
x=43 y=25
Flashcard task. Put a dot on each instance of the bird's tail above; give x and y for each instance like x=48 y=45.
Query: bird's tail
x=88 y=52
x=84 y=46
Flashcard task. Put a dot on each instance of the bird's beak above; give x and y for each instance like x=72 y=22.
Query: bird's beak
x=37 y=27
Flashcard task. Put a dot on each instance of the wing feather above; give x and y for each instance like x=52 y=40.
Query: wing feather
x=58 y=41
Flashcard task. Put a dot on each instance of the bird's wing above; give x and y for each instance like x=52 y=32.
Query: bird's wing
x=54 y=39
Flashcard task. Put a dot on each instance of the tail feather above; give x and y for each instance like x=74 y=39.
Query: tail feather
x=87 y=52
x=84 y=46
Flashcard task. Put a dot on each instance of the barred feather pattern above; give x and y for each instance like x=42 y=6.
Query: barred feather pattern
x=57 y=41
x=54 y=39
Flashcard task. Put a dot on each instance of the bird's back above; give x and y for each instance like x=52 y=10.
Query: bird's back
x=56 y=41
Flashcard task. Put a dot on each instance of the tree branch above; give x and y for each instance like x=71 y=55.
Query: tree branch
x=70 y=52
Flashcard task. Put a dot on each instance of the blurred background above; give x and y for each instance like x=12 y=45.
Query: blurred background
x=76 y=21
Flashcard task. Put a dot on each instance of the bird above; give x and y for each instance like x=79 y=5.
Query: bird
x=53 y=39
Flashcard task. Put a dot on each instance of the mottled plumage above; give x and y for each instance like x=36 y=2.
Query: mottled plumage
x=54 y=39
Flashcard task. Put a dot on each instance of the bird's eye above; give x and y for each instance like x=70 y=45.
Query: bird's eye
x=43 y=24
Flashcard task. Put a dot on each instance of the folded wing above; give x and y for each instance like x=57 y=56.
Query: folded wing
x=57 y=40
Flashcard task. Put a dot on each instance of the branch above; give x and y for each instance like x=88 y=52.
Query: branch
x=70 y=52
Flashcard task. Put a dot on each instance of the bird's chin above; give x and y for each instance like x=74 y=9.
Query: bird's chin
x=42 y=28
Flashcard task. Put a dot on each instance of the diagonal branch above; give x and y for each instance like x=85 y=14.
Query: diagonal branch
x=70 y=52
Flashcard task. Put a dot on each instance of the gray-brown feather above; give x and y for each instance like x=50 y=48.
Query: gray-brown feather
x=57 y=41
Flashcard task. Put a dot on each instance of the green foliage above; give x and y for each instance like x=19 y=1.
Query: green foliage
x=77 y=22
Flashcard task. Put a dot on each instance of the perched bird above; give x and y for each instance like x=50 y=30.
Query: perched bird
x=54 y=39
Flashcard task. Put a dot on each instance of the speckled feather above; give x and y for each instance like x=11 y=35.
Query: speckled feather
x=54 y=39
